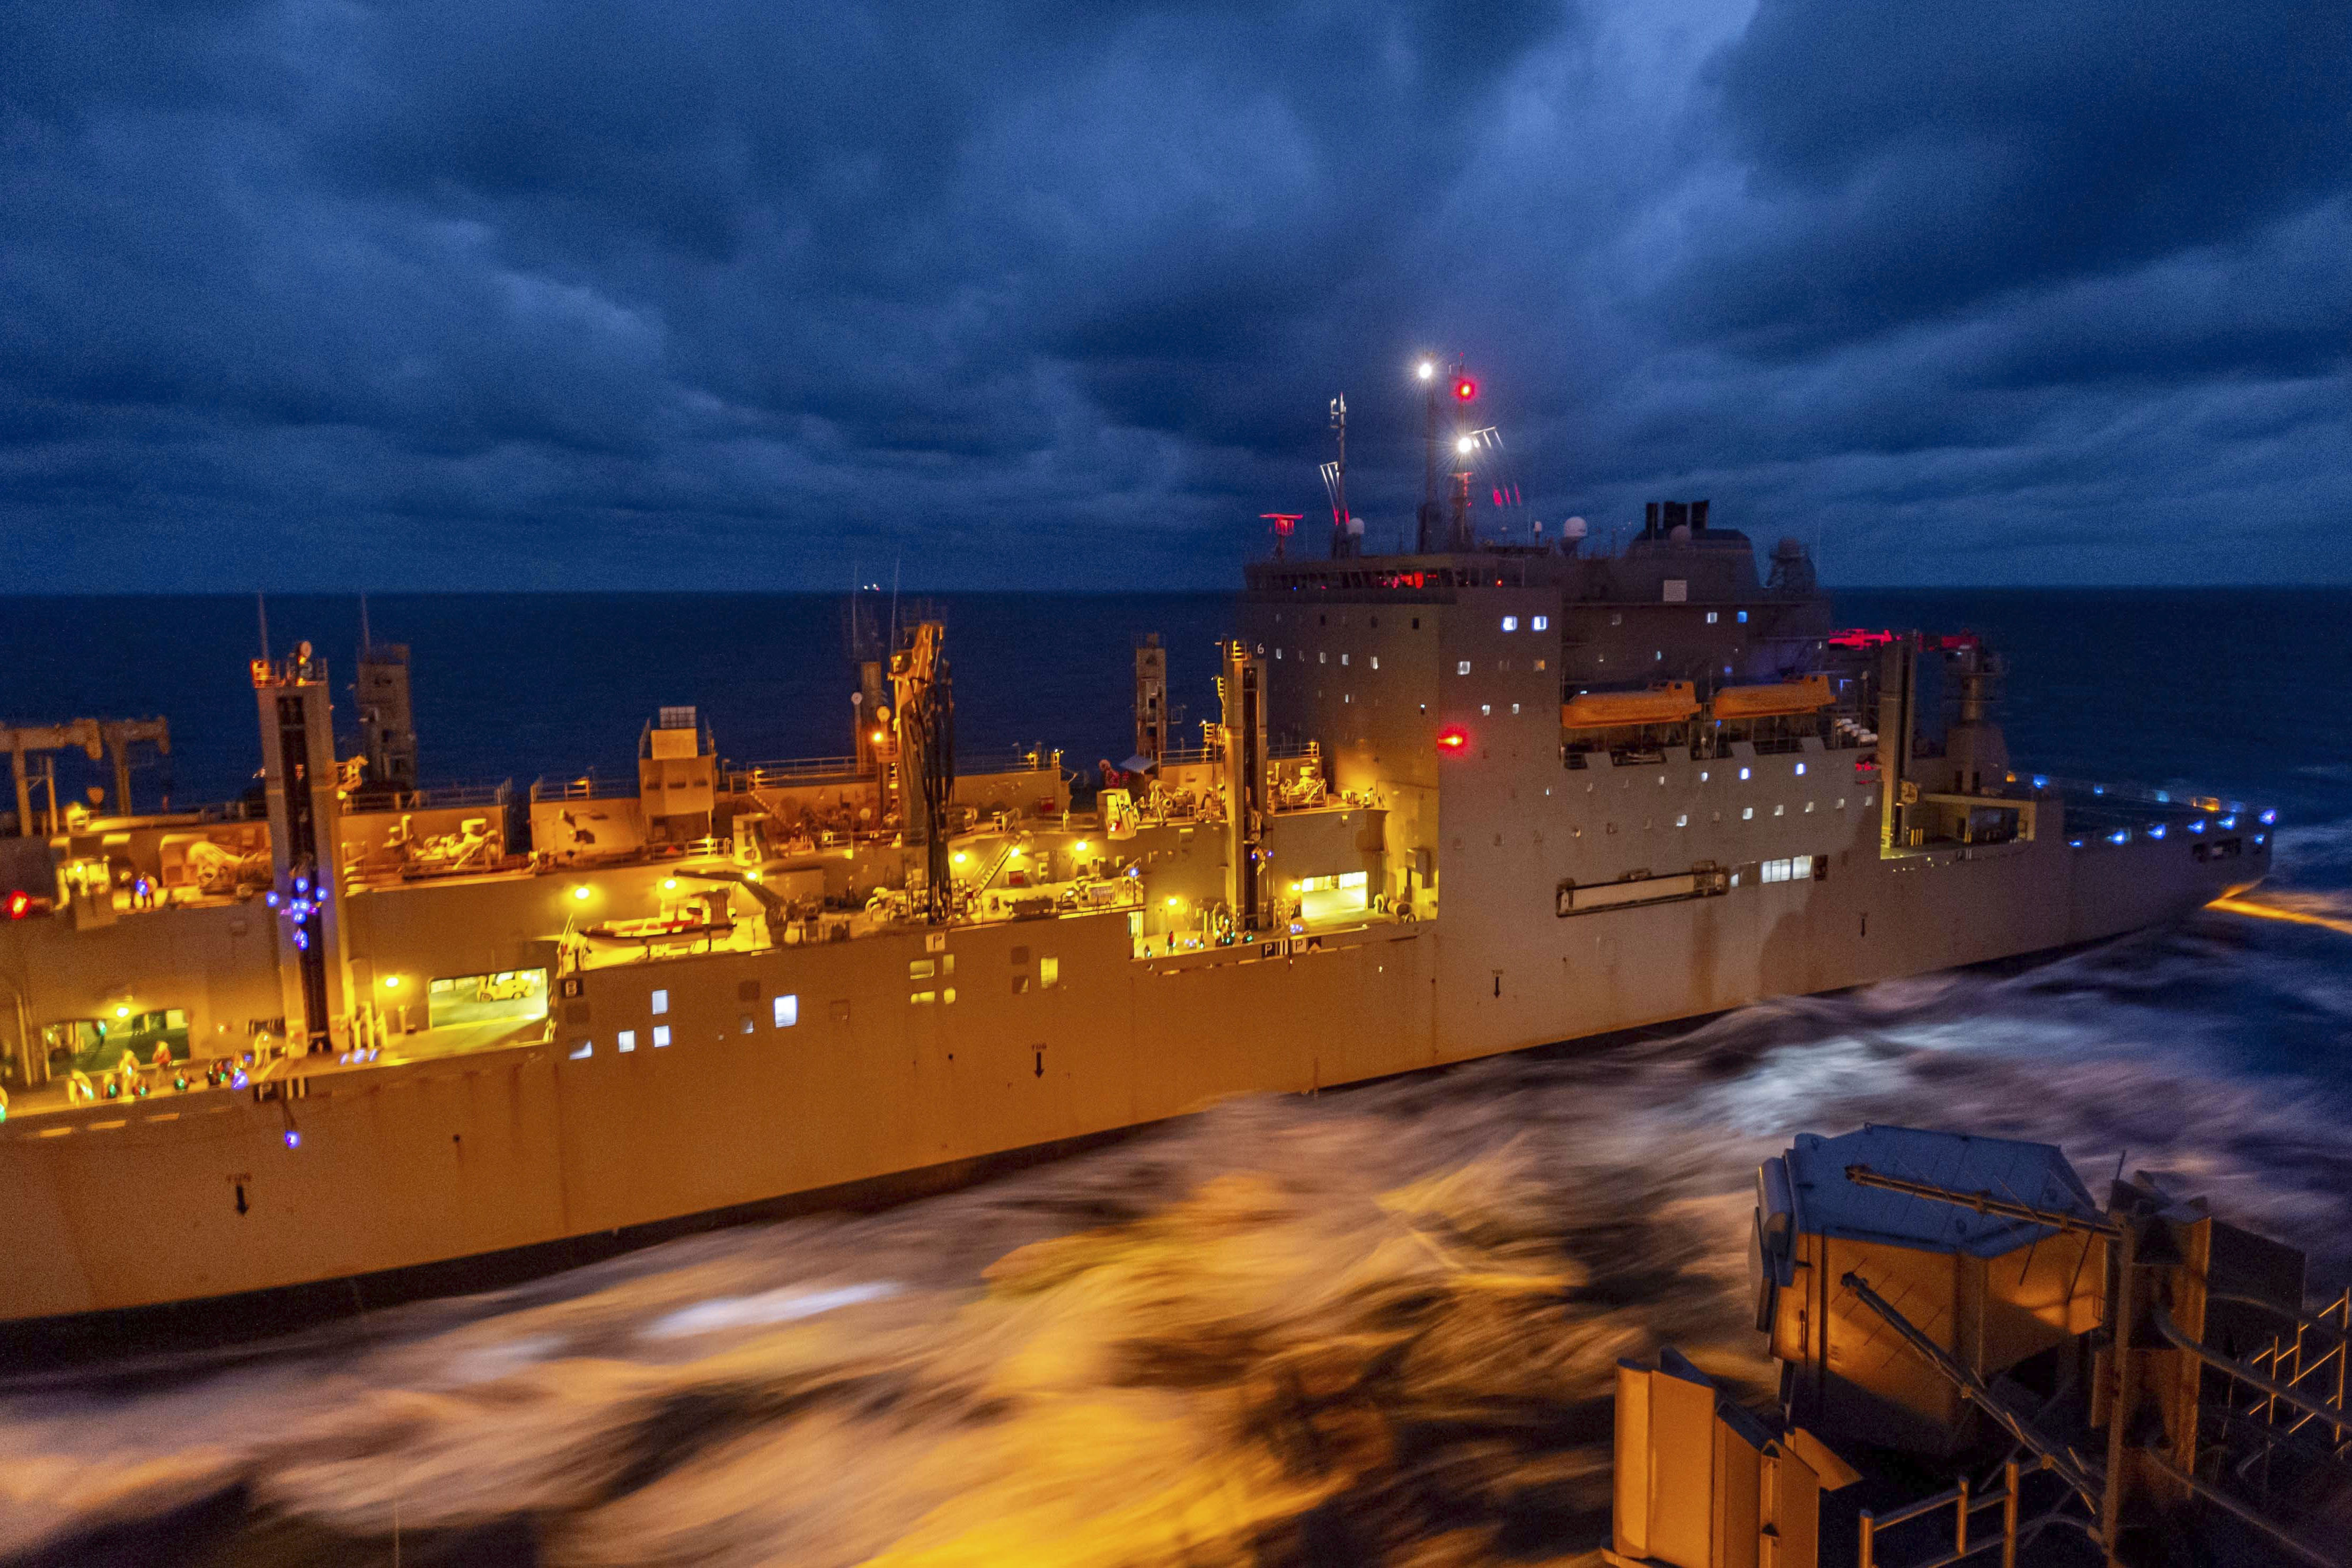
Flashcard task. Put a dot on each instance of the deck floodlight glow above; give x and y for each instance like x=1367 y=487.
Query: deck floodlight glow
x=2156 y=831
x=2120 y=836
x=1427 y=369
x=392 y=982
x=959 y=857
x=2268 y=817
x=581 y=892
x=1465 y=446
x=669 y=884
x=2229 y=822
x=1173 y=901
x=293 y=1139
x=1080 y=846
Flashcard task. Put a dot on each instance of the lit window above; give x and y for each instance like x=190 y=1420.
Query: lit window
x=1743 y=775
x=1515 y=707
x=1510 y=623
x=1376 y=661
x=1542 y=663
x=1840 y=805
x=1049 y=973
x=1865 y=799
x=1487 y=708
x=585 y=1049
x=1809 y=805
x=1711 y=616
x=1347 y=697
x=1800 y=770
x=947 y=995
x=1683 y=821
x=1321 y=657
x=923 y=999
x=1343 y=660
x=1743 y=618
x=1659 y=657
x=1702 y=775
x=747 y=1026
x=788 y=1011
x=1779 y=811
x=1277 y=654
x=661 y=1035
x=1616 y=618
x=1463 y=668
x=1734 y=878
x=661 y=1003
x=1541 y=624
x=1747 y=813
x=628 y=1041
x=920 y=968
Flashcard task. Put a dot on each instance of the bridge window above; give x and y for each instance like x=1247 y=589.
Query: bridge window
x=1049 y=973
x=661 y=1003
x=628 y=1039
x=1799 y=869
x=1541 y=624
x=661 y=1035
x=1510 y=623
x=788 y=1011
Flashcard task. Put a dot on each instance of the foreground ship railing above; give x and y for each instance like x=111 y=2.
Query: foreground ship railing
x=2084 y=1375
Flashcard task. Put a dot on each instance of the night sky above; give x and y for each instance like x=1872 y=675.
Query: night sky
x=600 y=294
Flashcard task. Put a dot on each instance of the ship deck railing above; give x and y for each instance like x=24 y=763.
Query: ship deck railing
x=582 y=787
x=432 y=797
x=1017 y=759
x=793 y=770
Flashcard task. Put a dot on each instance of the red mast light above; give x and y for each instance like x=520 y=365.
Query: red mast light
x=1465 y=388
x=1454 y=737
x=20 y=904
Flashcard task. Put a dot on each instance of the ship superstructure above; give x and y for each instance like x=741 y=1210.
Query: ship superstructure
x=1454 y=803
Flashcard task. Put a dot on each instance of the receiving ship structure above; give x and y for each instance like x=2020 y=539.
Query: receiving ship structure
x=1978 y=1360
x=1465 y=797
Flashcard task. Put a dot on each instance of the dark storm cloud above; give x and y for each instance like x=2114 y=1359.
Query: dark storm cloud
x=628 y=294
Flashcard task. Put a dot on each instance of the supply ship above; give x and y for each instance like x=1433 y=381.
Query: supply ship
x=1466 y=797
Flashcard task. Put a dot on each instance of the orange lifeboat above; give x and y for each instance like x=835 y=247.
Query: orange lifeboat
x=1807 y=696
x=1669 y=704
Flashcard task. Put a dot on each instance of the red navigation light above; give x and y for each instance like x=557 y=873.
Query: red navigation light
x=1454 y=737
x=1465 y=389
x=20 y=904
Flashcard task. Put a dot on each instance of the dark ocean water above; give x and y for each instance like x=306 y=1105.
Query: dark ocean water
x=1376 y=1326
